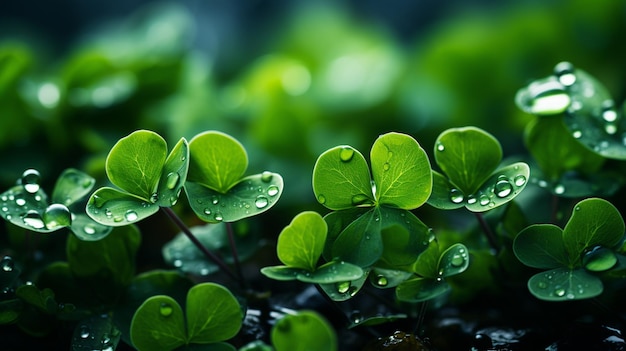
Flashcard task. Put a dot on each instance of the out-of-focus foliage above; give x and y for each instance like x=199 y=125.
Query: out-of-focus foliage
x=322 y=76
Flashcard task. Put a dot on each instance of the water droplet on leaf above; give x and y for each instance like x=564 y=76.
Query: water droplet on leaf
x=266 y=176
x=56 y=216
x=272 y=190
x=6 y=264
x=457 y=260
x=154 y=198
x=440 y=146
x=386 y=166
x=381 y=280
x=471 y=199
x=33 y=218
x=484 y=200
x=456 y=196
x=343 y=287
x=30 y=180
x=261 y=201
x=321 y=199
x=599 y=259
x=131 y=216
x=89 y=229
x=564 y=71
x=519 y=180
x=503 y=188
x=84 y=332
x=218 y=216
x=346 y=153
x=359 y=199
x=172 y=180
x=165 y=309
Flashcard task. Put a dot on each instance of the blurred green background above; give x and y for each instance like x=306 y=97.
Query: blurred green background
x=289 y=79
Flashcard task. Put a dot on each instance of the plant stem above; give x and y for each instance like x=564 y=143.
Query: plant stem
x=211 y=256
x=420 y=318
x=488 y=232
x=233 y=248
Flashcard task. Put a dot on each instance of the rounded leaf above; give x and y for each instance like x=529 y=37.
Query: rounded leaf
x=252 y=195
x=467 y=156
x=305 y=330
x=594 y=222
x=113 y=208
x=217 y=161
x=71 y=186
x=421 y=289
x=87 y=229
x=454 y=260
x=300 y=244
x=135 y=162
x=213 y=314
x=401 y=171
x=332 y=272
x=26 y=209
x=563 y=284
x=341 y=179
x=541 y=246
x=173 y=175
x=158 y=324
x=345 y=290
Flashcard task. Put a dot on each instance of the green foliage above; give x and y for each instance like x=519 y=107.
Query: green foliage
x=306 y=330
x=468 y=158
x=212 y=315
x=148 y=178
x=300 y=247
x=588 y=244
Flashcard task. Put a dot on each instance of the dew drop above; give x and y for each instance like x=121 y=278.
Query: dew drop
x=84 y=332
x=7 y=264
x=218 y=216
x=559 y=189
x=207 y=211
x=346 y=153
x=321 y=199
x=546 y=98
x=267 y=176
x=381 y=280
x=353 y=290
x=165 y=309
x=172 y=180
x=503 y=188
x=89 y=229
x=343 y=287
x=577 y=134
x=542 y=285
x=439 y=146
x=386 y=166
x=30 y=180
x=560 y=292
x=56 y=216
x=359 y=199
x=484 y=200
x=457 y=260
x=33 y=218
x=272 y=190
x=564 y=71
x=261 y=201
x=356 y=317
x=608 y=111
x=154 y=198
x=456 y=196
x=519 y=180
x=97 y=201
x=131 y=215
x=471 y=199
x=19 y=200
x=215 y=200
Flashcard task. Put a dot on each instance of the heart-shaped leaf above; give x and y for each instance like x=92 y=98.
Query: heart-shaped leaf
x=300 y=244
x=541 y=246
x=135 y=163
x=308 y=328
x=252 y=195
x=467 y=156
x=213 y=314
x=564 y=284
x=218 y=161
x=401 y=171
x=594 y=222
x=341 y=179
x=158 y=324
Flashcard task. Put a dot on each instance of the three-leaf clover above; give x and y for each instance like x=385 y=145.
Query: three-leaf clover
x=147 y=178
x=300 y=247
x=588 y=244
x=212 y=316
x=468 y=158
x=26 y=205
x=216 y=188
x=372 y=218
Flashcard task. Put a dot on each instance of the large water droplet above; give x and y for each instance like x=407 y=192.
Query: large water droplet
x=564 y=72
x=386 y=166
x=261 y=201
x=272 y=190
x=343 y=287
x=559 y=189
x=457 y=260
x=30 y=180
x=56 y=216
x=439 y=146
x=599 y=259
x=215 y=200
x=84 y=332
x=321 y=199
x=33 y=218
x=382 y=281
x=19 y=200
x=608 y=111
x=346 y=153
x=165 y=309
x=484 y=200
x=172 y=180
x=456 y=196
x=519 y=180
x=218 y=216
x=267 y=176
x=6 y=264
x=503 y=188
x=560 y=292
x=545 y=98
x=89 y=229
x=154 y=198
x=131 y=216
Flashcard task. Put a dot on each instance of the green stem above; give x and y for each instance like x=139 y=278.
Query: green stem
x=420 y=318
x=233 y=248
x=491 y=238
x=211 y=256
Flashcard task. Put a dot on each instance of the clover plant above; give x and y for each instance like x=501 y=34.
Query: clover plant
x=470 y=159
x=212 y=315
x=26 y=205
x=300 y=247
x=572 y=257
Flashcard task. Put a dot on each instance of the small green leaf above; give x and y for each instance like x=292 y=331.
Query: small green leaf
x=454 y=260
x=332 y=272
x=304 y=331
x=283 y=273
x=300 y=244
x=541 y=246
x=361 y=243
x=87 y=229
x=26 y=209
x=427 y=263
x=135 y=162
x=114 y=208
x=421 y=289
x=563 y=284
x=387 y=278
x=401 y=171
x=213 y=314
x=71 y=186
x=341 y=179
x=467 y=156
x=173 y=175
x=218 y=161
x=158 y=324
x=594 y=222
x=501 y=187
